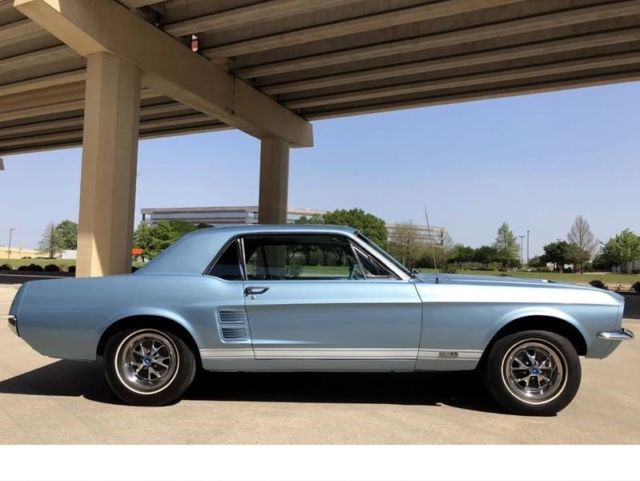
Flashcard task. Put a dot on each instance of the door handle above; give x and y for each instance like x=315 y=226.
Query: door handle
x=252 y=290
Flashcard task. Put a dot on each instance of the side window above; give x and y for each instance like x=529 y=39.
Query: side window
x=228 y=264
x=372 y=268
x=300 y=257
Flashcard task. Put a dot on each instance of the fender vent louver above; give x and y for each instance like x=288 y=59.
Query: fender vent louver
x=233 y=325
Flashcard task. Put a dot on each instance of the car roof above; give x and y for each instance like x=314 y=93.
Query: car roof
x=239 y=229
x=194 y=251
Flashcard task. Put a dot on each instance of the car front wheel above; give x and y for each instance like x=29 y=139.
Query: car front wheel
x=533 y=372
x=149 y=367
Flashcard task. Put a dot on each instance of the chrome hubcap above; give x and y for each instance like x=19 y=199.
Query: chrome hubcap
x=147 y=361
x=534 y=371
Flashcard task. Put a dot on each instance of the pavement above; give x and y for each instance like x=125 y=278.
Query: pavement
x=48 y=401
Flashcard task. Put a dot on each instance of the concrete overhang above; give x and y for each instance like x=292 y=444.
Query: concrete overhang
x=272 y=66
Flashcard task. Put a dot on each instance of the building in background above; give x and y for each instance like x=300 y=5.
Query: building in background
x=249 y=215
x=218 y=215
x=423 y=234
x=18 y=252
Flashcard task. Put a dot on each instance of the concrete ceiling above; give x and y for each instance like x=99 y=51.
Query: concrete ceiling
x=327 y=58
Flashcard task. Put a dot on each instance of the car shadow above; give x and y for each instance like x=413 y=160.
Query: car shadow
x=462 y=390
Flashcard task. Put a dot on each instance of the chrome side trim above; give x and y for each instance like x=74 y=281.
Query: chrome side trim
x=450 y=354
x=332 y=353
x=342 y=354
x=230 y=353
x=621 y=335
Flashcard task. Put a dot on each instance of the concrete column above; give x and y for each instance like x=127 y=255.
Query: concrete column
x=109 y=162
x=274 y=181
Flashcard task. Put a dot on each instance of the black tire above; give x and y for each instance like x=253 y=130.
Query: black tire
x=167 y=355
x=523 y=389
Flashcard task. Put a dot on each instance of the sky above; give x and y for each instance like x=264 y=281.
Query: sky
x=534 y=161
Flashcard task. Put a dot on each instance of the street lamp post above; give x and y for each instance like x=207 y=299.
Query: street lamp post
x=527 y=246
x=9 y=247
x=521 y=248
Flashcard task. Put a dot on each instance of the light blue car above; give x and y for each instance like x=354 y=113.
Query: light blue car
x=317 y=298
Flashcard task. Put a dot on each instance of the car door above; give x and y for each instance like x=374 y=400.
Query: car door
x=313 y=304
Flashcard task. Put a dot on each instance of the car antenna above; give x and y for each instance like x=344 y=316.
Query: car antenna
x=433 y=249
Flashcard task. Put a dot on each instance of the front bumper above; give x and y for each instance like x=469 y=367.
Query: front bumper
x=620 y=335
x=13 y=323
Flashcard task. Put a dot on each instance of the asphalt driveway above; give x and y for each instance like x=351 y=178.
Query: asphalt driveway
x=44 y=400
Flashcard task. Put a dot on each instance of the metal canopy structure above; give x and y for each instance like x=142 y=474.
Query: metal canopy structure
x=103 y=73
x=318 y=59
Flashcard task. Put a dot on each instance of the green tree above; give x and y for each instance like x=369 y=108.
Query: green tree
x=462 y=254
x=485 y=255
x=507 y=249
x=623 y=249
x=313 y=219
x=50 y=243
x=537 y=262
x=404 y=244
x=582 y=243
x=154 y=238
x=368 y=224
x=67 y=231
x=557 y=253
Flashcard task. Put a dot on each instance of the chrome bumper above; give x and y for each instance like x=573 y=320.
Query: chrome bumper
x=621 y=335
x=13 y=323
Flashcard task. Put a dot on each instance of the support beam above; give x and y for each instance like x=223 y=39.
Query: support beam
x=483 y=80
x=249 y=15
x=54 y=105
x=350 y=27
x=42 y=82
x=274 y=181
x=59 y=53
x=489 y=92
x=20 y=31
x=109 y=163
x=447 y=39
x=170 y=67
x=460 y=61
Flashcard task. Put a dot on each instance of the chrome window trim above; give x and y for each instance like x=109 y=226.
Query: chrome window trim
x=343 y=236
x=385 y=262
x=390 y=275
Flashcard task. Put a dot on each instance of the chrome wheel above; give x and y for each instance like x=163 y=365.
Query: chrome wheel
x=534 y=371
x=146 y=361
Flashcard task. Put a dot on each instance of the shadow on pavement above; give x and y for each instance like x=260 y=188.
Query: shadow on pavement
x=458 y=389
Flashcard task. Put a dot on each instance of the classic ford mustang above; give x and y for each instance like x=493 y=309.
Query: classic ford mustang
x=317 y=298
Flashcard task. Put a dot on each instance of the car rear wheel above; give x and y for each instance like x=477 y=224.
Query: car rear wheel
x=533 y=372
x=148 y=367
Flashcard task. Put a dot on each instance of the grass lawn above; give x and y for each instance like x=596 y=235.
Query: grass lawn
x=611 y=279
x=15 y=263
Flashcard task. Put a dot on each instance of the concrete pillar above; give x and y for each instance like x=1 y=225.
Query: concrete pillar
x=274 y=181
x=109 y=162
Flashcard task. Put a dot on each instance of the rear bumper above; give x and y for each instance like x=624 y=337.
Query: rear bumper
x=620 y=335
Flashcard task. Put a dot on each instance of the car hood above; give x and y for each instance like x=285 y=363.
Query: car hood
x=473 y=280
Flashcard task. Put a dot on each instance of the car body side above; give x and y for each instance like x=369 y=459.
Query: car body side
x=455 y=318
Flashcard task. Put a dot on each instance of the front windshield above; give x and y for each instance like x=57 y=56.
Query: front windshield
x=384 y=254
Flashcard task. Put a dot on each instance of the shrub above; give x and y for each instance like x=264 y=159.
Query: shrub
x=450 y=268
x=636 y=286
x=51 y=268
x=35 y=268
x=6 y=267
x=598 y=283
x=71 y=269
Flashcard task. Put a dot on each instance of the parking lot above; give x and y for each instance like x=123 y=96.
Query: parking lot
x=44 y=400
